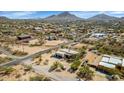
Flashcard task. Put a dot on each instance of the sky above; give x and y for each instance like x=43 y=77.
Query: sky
x=43 y=14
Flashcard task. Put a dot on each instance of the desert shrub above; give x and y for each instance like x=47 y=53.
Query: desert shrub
x=85 y=73
x=6 y=70
x=27 y=67
x=75 y=65
x=39 y=78
x=19 y=53
x=55 y=66
x=5 y=59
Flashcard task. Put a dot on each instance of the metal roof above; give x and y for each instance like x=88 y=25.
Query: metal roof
x=105 y=59
x=107 y=65
x=115 y=61
x=123 y=63
x=111 y=61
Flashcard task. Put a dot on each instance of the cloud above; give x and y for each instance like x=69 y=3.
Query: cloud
x=85 y=14
x=18 y=14
x=23 y=13
x=117 y=12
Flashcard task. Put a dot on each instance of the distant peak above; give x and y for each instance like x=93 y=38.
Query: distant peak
x=52 y=15
x=64 y=14
x=3 y=17
x=102 y=14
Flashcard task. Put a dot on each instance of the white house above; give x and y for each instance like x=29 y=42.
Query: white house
x=65 y=53
x=98 y=35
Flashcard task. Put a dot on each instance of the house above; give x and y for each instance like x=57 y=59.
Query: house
x=59 y=54
x=98 y=35
x=65 y=53
x=24 y=38
x=111 y=61
x=38 y=29
x=51 y=38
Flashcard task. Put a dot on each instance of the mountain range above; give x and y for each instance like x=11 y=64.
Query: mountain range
x=103 y=17
x=67 y=16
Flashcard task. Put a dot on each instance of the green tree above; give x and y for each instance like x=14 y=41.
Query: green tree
x=85 y=73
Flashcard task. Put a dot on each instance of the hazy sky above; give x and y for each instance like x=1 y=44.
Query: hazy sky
x=43 y=14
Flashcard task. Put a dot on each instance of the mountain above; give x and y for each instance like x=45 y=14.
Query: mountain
x=3 y=18
x=122 y=18
x=64 y=16
x=103 y=17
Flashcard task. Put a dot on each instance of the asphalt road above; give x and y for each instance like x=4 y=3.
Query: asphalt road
x=37 y=68
x=19 y=60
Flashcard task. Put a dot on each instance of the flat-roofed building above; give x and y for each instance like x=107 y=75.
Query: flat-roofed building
x=59 y=54
x=69 y=51
x=65 y=53
x=115 y=60
x=111 y=61
x=24 y=38
x=98 y=35
x=123 y=63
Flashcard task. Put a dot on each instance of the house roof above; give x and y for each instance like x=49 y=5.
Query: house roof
x=107 y=65
x=59 y=52
x=23 y=36
x=69 y=51
x=123 y=63
x=105 y=59
x=115 y=60
x=108 y=60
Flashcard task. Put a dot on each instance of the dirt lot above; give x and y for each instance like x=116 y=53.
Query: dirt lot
x=33 y=49
x=63 y=75
x=19 y=73
x=53 y=43
x=92 y=58
x=28 y=49
x=3 y=55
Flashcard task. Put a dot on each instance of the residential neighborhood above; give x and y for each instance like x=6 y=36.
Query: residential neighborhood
x=62 y=47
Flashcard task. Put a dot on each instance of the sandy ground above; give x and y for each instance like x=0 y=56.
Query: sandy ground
x=92 y=57
x=98 y=76
x=18 y=74
x=3 y=55
x=28 y=49
x=51 y=60
x=53 y=43
x=79 y=45
x=63 y=75
x=31 y=50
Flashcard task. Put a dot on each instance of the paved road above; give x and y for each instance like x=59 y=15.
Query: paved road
x=37 y=68
x=19 y=60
